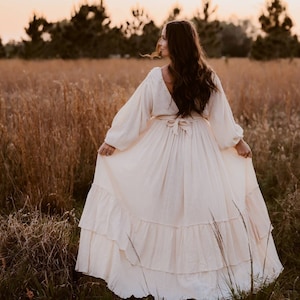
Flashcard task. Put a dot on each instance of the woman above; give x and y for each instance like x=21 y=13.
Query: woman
x=176 y=211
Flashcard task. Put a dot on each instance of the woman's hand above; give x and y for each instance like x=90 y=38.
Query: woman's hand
x=106 y=149
x=243 y=149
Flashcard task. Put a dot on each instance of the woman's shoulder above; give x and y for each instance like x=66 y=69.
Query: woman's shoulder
x=155 y=71
x=154 y=74
x=215 y=78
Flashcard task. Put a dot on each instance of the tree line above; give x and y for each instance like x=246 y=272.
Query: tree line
x=89 y=34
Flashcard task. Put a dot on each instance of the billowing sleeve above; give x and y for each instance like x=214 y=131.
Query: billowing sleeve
x=132 y=119
x=226 y=131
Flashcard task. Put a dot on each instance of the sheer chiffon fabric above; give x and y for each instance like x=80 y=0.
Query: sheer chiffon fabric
x=175 y=212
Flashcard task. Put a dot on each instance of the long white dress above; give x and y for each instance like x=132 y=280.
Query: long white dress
x=175 y=212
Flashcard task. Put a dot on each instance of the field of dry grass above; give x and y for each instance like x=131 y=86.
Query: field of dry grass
x=53 y=117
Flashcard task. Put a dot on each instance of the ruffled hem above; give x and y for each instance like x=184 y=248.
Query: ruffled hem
x=102 y=258
x=178 y=250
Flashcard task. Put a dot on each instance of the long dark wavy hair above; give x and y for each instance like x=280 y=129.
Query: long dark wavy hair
x=192 y=77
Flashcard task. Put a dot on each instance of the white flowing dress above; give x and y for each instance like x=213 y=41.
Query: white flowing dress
x=175 y=212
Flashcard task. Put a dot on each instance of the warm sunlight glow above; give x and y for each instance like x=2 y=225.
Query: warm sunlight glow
x=15 y=14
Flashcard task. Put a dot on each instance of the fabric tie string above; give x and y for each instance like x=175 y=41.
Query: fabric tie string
x=180 y=123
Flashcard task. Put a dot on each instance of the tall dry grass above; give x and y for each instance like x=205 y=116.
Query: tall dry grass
x=53 y=117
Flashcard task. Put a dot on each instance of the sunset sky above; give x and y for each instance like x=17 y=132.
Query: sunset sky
x=15 y=14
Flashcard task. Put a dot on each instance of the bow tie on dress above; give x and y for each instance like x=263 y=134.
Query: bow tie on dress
x=180 y=123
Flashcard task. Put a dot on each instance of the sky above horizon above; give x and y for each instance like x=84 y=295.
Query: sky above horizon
x=15 y=14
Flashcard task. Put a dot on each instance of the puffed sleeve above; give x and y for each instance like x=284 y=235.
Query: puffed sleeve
x=132 y=119
x=226 y=131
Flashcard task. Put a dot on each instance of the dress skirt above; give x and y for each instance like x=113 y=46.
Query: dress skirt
x=175 y=217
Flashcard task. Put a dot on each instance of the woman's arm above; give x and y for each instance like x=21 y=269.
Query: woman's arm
x=226 y=131
x=131 y=120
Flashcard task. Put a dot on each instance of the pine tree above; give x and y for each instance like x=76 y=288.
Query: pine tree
x=84 y=35
x=36 y=31
x=90 y=24
x=277 y=40
x=209 y=31
x=141 y=33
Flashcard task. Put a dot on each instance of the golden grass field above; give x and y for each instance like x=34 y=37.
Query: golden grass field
x=53 y=117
